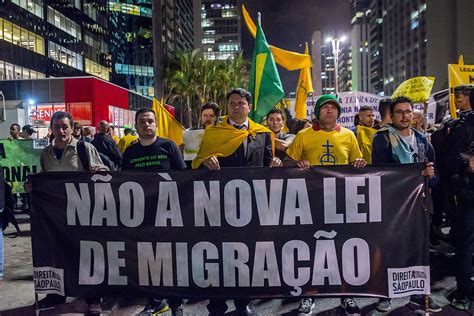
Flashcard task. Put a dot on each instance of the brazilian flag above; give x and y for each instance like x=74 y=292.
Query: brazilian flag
x=264 y=85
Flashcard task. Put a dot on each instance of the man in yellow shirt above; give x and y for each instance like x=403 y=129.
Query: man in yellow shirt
x=326 y=144
x=126 y=140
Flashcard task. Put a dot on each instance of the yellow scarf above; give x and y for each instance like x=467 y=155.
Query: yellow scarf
x=365 y=136
x=222 y=139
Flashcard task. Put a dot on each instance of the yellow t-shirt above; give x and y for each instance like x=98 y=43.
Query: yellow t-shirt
x=125 y=142
x=338 y=147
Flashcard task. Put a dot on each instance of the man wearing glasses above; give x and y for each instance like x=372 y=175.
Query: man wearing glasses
x=399 y=143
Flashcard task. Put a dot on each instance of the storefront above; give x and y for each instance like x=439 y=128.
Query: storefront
x=88 y=99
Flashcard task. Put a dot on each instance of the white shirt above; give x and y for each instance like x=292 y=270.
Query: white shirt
x=411 y=140
x=245 y=126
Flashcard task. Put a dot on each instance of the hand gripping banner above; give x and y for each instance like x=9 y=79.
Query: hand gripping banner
x=237 y=233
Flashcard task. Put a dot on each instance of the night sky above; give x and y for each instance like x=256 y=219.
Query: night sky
x=288 y=24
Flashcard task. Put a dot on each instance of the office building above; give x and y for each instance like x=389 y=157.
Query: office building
x=40 y=39
x=221 y=29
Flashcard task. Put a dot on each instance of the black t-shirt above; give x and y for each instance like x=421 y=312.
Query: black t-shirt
x=163 y=154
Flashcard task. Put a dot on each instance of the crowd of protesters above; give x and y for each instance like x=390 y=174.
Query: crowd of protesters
x=234 y=140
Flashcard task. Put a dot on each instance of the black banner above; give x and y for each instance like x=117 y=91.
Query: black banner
x=250 y=232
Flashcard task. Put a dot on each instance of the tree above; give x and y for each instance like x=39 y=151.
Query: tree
x=191 y=80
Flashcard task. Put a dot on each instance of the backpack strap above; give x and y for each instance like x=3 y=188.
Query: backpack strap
x=81 y=152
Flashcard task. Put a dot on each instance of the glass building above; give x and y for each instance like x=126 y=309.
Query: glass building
x=54 y=38
x=221 y=30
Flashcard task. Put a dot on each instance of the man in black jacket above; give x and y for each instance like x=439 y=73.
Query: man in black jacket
x=236 y=141
x=106 y=146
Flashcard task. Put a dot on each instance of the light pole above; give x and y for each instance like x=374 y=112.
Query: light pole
x=335 y=50
x=4 y=109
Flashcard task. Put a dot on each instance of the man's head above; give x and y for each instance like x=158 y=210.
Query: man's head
x=77 y=130
x=61 y=126
x=104 y=127
x=401 y=112
x=417 y=122
x=15 y=130
x=209 y=112
x=27 y=131
x=89 y=131
x=275 y=120
x=145 y=122
x=327 y=109
x=238 y=104
x=384 y=110
x=461 y=97
x=366 y=116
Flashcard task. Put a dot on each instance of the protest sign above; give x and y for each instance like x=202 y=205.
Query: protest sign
x=239 y=232
x=19 y=158
x=192 y=140
x=418 y=89
x=350 y=102
x=459 y=74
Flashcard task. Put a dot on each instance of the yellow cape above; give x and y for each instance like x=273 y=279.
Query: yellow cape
x=222 y=139
x=365 y=136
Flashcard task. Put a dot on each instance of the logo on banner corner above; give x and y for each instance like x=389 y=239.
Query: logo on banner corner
x=49 y=280
x=408 y=281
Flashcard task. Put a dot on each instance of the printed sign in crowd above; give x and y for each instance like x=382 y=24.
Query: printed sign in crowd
x=19 y=158
x=252 y=232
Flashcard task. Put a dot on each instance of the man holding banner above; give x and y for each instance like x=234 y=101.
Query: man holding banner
x=236 y=141
x=154 y=154
x=66 y=154
x=399 y=143
x=326 y=143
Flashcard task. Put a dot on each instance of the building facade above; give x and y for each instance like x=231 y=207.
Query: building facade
x=221 y=29
x=173 y=31
x=420 y=38
x=52 y=38
x=131 y=45
x=360 y=13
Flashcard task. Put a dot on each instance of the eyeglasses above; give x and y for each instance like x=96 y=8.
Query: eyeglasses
x=401 y=112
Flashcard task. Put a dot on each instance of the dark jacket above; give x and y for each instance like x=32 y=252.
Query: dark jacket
x=106 y=146
x=259 y=153
x=382 y=151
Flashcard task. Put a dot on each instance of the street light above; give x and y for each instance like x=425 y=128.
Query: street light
x=335 y=50
x=4 y=109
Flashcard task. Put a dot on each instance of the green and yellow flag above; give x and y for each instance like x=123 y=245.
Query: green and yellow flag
x=285 y=58
x=305 y=86
x=265 y=85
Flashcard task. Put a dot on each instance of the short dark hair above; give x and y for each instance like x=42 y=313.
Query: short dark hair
x=397 y=100
x=143 y=110
x=60 y=115
x=16 y=125
x=471 y=97
x=384 y=107
x=242 y=92
x=213 y=106
x=29 y=129
x=366 y=108
x=463 y=89
x=275 y=111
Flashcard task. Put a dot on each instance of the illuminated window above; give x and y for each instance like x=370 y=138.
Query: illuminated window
x=20 y=36
x=33 y=6
x=97 y=70
x=10 y=71
x=65 y=56
x=67 y=25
